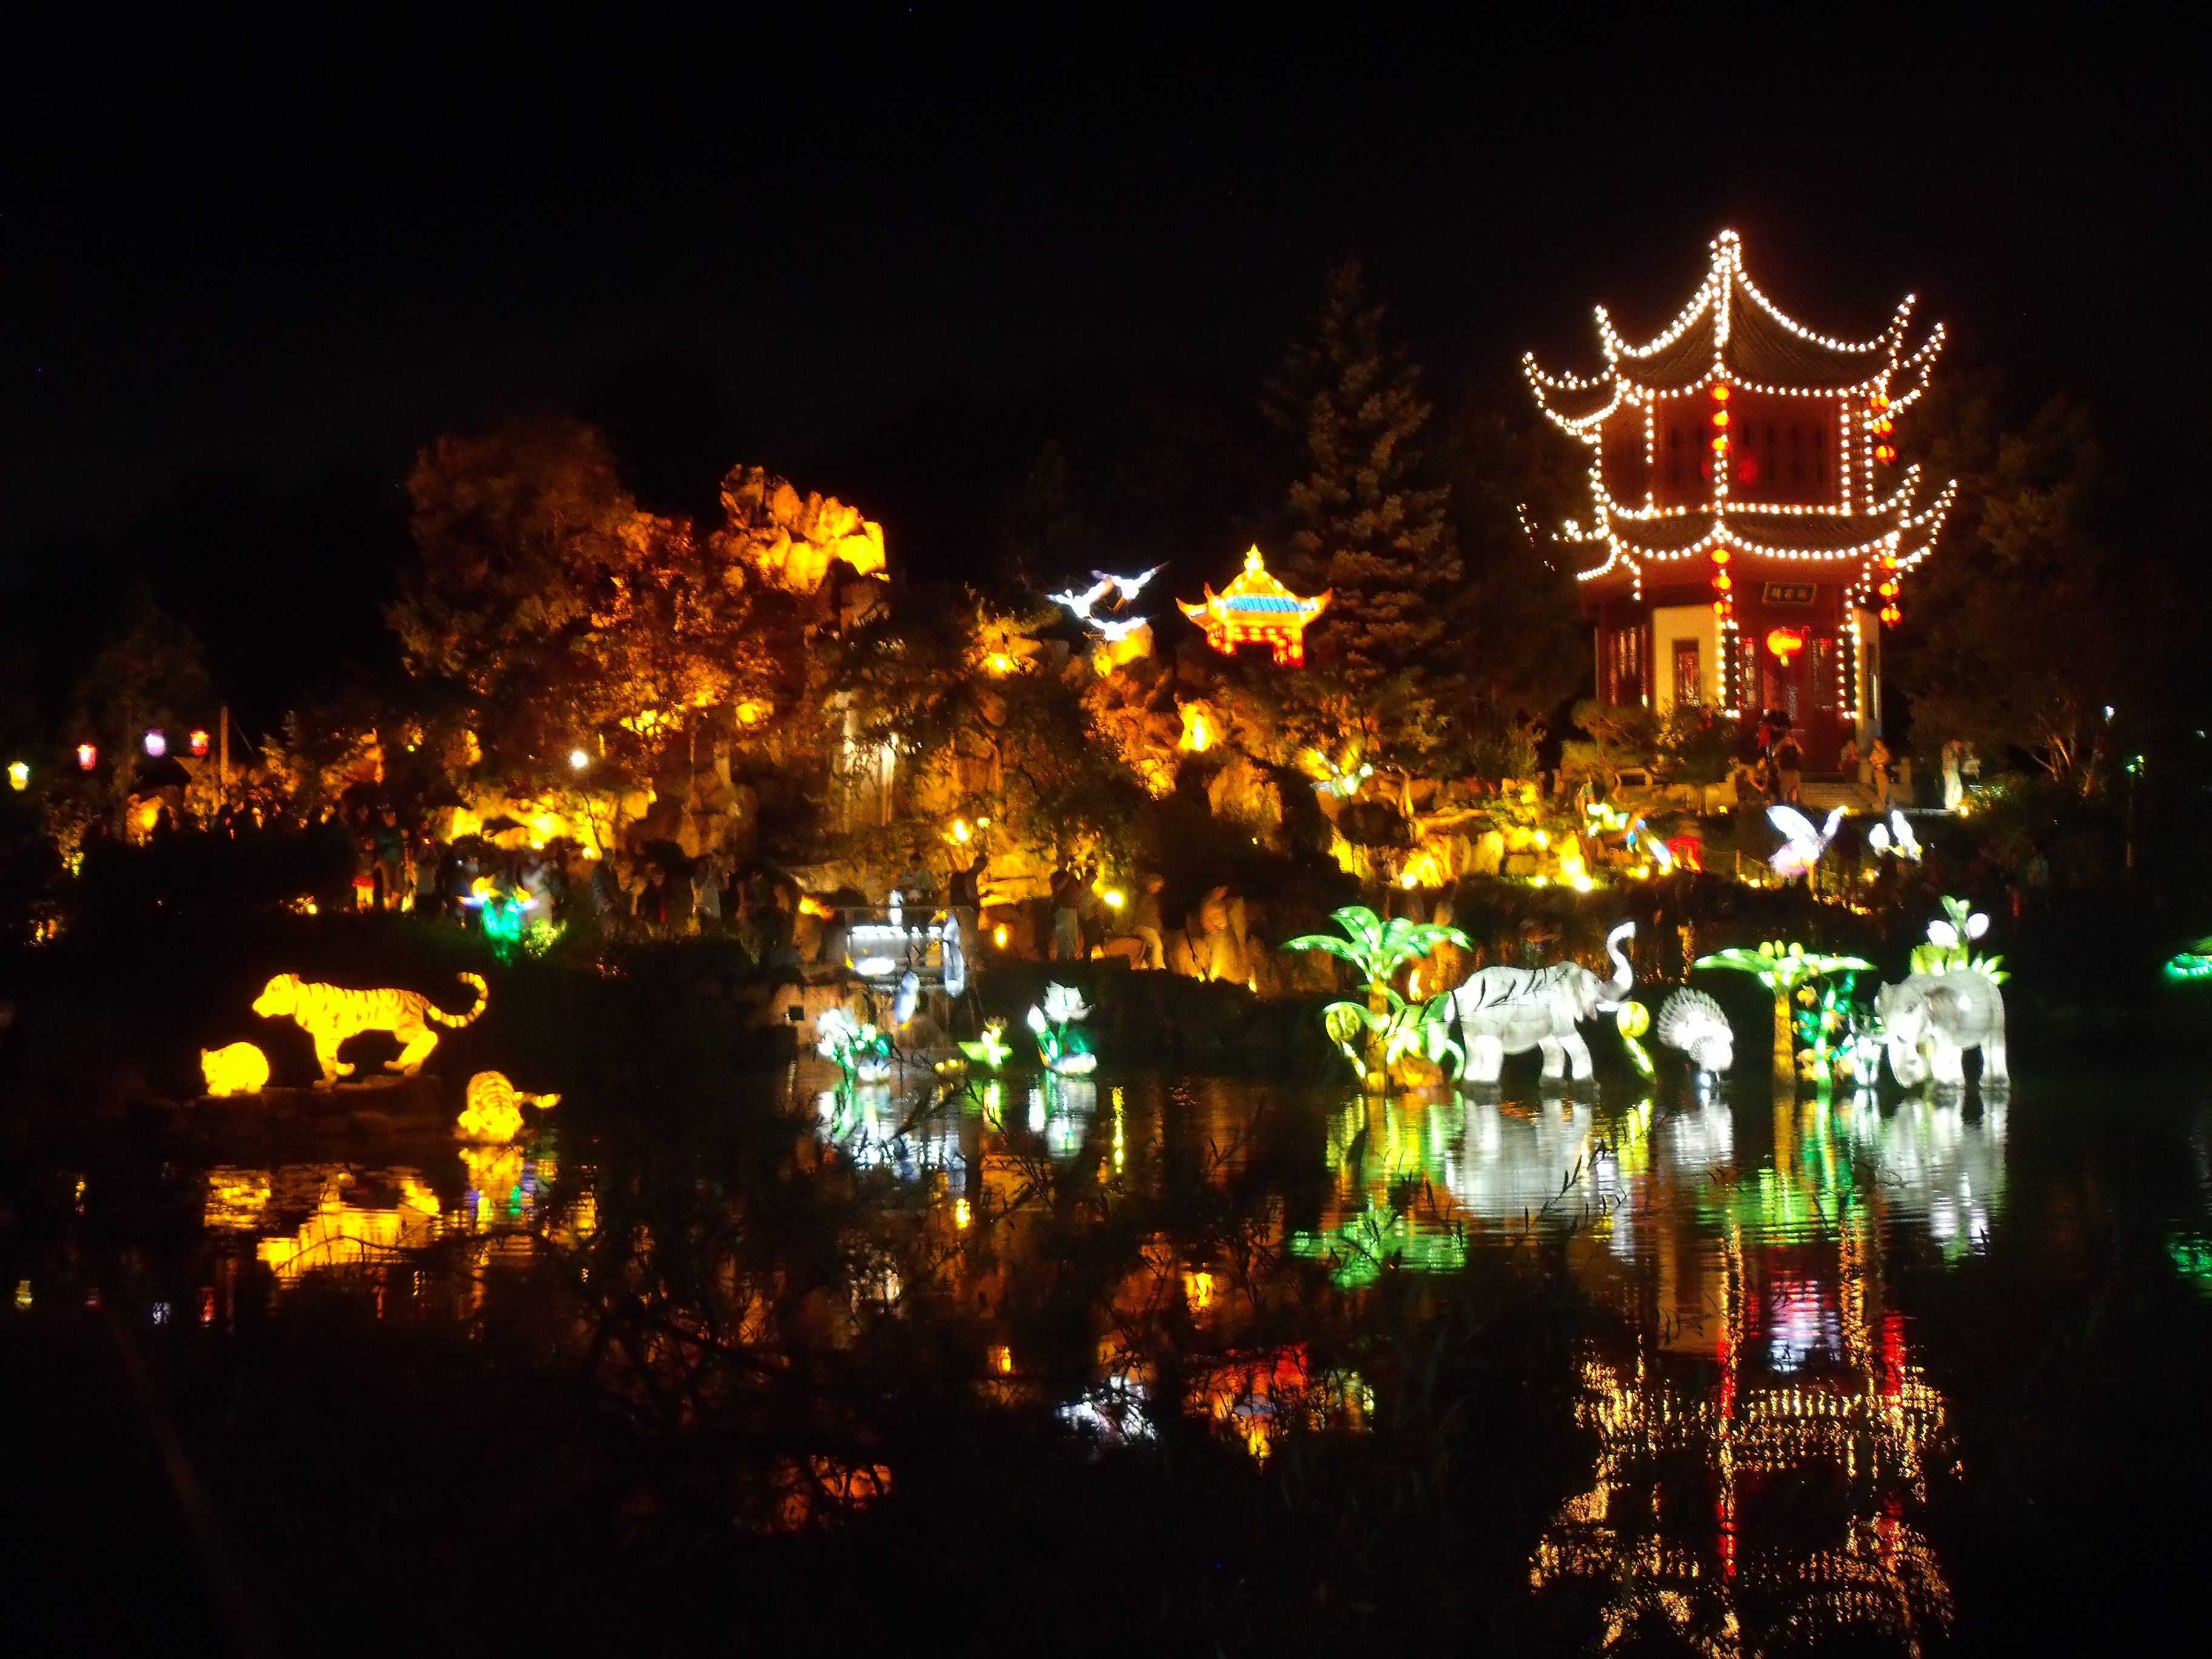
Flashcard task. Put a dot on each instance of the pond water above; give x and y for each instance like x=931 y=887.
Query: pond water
x=1832 y=1371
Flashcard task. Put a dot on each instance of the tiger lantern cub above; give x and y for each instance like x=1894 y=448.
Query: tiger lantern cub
x=237 y=1069
x=330 y=1013
x=492 y=1113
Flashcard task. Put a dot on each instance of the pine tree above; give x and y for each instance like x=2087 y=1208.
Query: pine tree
x=1362 y=522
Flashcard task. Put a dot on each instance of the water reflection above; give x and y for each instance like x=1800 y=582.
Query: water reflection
x=1763 y=1435
x=323 y=1217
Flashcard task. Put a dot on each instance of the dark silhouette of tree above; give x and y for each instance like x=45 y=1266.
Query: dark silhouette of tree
x=2032 y=619
x=1366 y=522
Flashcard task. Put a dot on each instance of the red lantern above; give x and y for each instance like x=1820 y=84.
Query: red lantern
x=88 y=755
x=1786 y=643
x=199 y=744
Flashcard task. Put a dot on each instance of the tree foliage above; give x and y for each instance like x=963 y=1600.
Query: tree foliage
x=557 y=615
x=1367 y=521
x=2034 y=617
x=975 y=707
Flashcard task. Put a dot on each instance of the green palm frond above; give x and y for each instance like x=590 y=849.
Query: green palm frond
x=1376 y=948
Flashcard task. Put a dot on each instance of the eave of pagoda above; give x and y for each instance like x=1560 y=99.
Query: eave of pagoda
x=1853 y=550
x=1730 y=333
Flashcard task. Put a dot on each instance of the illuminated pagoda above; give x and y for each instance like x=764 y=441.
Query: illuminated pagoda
x=1752 y=527
x=1256 y=610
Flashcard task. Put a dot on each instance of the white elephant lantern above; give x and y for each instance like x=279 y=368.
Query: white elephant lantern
x=1692 y=1022
x=1928 y=1021
x=1510 y=1011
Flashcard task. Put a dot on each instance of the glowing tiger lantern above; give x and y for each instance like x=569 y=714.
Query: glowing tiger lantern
x=330 y=1014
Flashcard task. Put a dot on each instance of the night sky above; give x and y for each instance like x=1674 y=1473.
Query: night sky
x=247 y=266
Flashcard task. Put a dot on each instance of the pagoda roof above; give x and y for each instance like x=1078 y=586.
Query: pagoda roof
x=1256 y=608
x=1256 y=596
x=1730 y=331
x=1836 y=546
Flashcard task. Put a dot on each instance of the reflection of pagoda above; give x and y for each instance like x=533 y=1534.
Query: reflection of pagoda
x=1752 y=525
x=1761 y=1447
x=1255 y=609
x=1764 y=1436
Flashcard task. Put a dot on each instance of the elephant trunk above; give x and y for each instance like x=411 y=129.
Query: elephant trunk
x=1624 y=975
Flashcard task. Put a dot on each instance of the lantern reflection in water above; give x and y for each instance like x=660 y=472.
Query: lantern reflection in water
x=1770 y=1382
x=342 y=1233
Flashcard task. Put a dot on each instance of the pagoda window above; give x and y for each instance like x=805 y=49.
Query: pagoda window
x=1689 y=679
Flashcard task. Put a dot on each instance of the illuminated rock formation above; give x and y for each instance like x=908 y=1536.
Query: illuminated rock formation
x=792 y=539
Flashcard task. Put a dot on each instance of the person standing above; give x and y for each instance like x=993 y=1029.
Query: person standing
x=1878 y=762
x=608 y=901
x=710 y=898
x=1145 y=921
x=1067 y=918
x=964 y=897
x=390 y=847
x=1789 y=766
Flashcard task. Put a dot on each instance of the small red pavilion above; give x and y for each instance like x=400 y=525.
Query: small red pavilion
x=1753 y=524
x=1255 y=609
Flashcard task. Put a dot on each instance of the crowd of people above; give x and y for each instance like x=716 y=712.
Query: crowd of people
x=1775 y=772
x=661 y=893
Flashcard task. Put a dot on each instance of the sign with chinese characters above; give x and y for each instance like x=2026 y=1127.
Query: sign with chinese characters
x=1789 y=592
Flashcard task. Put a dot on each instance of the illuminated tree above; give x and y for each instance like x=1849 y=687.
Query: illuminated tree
x=969 y=700
x=1391 y=1026
x=551 y=615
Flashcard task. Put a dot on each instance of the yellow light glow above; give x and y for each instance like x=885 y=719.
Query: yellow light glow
x=998 y=936
x=752 y=711
x=492 y=1111
x=963 y=1216
x=1002 y=1359
x=1198 y=730
x=240 y=1069
x=578 y=760
x=1114 y=898
x=235 y=1200
x=330 y=1014
x=999 y=663
x=19 y=776
x=340 y=1234
x=960 y=830
x=1256 y=608
x=1198 y=1289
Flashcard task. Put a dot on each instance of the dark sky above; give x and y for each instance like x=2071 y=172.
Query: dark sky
x=291 y=243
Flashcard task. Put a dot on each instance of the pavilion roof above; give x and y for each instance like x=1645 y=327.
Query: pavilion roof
x=1255 y=595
